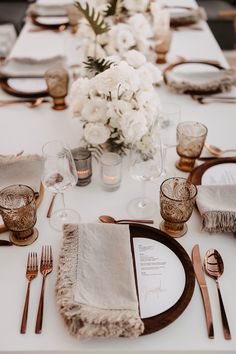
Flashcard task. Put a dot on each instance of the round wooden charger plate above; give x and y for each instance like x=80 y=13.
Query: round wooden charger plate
x=39 y=199
x=171 y=67
x=155 y=323
x=12 y=91
x=195 y=176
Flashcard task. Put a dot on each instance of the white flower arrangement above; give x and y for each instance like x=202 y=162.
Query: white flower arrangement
x=135 y=33
x=117 y=107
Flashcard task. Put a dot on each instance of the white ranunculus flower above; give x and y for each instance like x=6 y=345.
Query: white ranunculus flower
x=79 y=93
x=96 y=133
x=133 y=126
x=94 y=110
x=136 y=5
x=135 y=58
x=140 y=26
x=121 y=39
x=116 y=109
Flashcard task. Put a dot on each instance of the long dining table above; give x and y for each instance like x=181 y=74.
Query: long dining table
x=28 y=129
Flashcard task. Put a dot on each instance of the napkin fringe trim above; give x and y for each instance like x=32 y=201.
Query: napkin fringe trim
x=219 y=221
x=83 y=320
x=6 y=159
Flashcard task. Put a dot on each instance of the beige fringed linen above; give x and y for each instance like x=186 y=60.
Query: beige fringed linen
x=95 y=288
x=24 y=169
x=217 y=206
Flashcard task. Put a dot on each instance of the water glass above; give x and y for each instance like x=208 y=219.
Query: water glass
x=191 y=137
x=177 y=199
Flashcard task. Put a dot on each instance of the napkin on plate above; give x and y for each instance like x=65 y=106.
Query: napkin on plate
x=217 y=206
x=187 y=16
x=204 y=81
x=35 y=55
x=21 y=170
x=95 y=286
x=49 y=7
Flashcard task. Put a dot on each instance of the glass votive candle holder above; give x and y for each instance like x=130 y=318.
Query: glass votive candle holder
x=177 y=199
x=83 y=164
x=18 y=211
x=191 y=137
x=110 y=172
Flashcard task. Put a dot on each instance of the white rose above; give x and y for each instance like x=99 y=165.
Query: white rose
x=79 y=93
x=133 y=126
x=94 y=110
x=136 y=5
x=96 y=133
x=121 y=39
x=135 y=58
x=140 y=26
x=116 y=109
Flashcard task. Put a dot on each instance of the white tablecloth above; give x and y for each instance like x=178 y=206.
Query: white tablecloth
x=27 y=129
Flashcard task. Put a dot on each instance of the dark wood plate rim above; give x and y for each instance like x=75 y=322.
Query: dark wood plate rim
x=195 y=176
x=155 y=323
x=7 y=88
x=49 y=26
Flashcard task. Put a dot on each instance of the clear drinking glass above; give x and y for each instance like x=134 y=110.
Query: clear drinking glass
x=58 y=176
x=144 y=169
x=169 y=116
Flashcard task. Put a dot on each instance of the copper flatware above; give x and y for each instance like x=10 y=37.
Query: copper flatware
x=51 y=205
x=212 y=99
x=46 y=266
x=216 y=151
x=30 y=103
x=214 y=267
x=197 y=265
x=110 y=220
x=31 y=273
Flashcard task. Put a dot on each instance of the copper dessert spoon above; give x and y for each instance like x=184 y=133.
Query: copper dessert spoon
x=216 y=151
x=110 y=220
x=214 y=267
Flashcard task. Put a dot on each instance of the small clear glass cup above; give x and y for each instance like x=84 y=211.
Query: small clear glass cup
x=110 y=171
x=177 y=199
x=191 y=138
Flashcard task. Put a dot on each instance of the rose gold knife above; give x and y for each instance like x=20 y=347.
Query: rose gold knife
x=197 y=265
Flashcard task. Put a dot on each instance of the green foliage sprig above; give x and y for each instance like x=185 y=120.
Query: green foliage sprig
x=95 y=20
x=111 y=8
x=97 y=65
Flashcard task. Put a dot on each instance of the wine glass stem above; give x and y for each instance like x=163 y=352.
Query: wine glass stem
x=163 y=159
x=142 y=203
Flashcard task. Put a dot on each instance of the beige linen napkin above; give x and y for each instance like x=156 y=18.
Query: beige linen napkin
x=21 y=170
x=95 y=288
x=217 y=206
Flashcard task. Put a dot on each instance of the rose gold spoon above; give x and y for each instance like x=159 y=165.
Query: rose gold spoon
x=214 y=150
x=214 y=267
x=110 y=220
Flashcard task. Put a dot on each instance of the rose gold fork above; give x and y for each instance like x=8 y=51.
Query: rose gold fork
x=31 y=273
x=46 y=266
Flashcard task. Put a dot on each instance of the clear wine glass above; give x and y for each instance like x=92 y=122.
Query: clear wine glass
x=59 y=175
x=144 y=168
x=168 y=119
